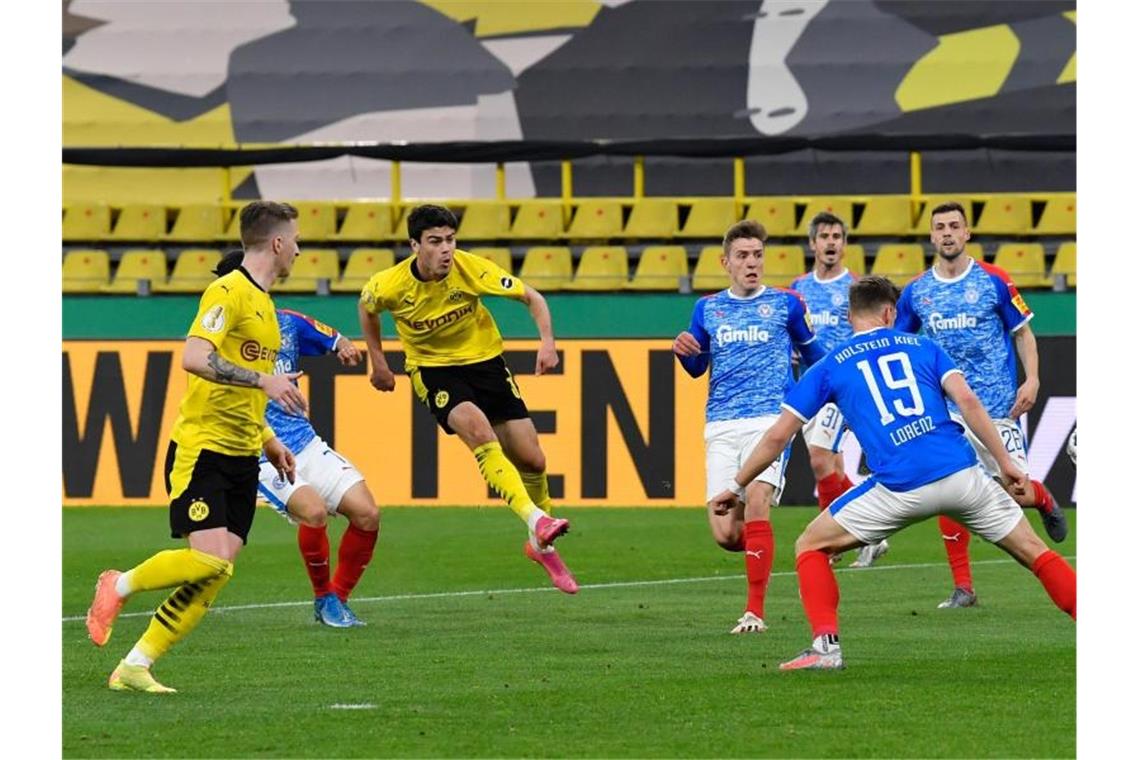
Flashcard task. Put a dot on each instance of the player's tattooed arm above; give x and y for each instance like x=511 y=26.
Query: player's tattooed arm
x=227 y=373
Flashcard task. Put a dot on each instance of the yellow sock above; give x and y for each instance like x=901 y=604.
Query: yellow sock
x=502 y=476
x=174 y=567
x=181 y=613
x=537 y=490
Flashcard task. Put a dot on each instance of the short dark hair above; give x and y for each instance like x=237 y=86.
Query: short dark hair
x=823 y=219
x=260 y=218
x=943 y=208
x=748 y=228
x=427 y=216
x=230 y=261
x=871 y=292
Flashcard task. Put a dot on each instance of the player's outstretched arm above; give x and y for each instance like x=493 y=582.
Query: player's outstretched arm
x=281 y=458
x=201 y=358
x=1026 y=344
x=381 y=378
x=979 y=422
x=547 y=358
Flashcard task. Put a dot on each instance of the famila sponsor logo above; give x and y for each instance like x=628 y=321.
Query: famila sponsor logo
x=957 y=322
x=824 y=319
x=726 y=334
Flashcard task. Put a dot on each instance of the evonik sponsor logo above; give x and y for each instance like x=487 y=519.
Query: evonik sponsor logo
x=959 y=321
x=726 y=334
x=451 y=316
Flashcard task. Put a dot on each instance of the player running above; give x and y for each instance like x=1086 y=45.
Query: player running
x=971 y=309
x=744 y=337
x=892 y=388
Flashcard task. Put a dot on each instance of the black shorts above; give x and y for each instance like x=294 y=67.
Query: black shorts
x=487 y=384
x=220 y=491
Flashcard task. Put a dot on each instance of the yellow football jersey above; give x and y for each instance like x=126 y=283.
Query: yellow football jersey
x=443 y=323
x=238 y=317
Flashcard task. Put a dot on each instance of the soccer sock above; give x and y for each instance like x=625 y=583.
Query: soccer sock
x=819 y=592
x=831 y=488
x=1042 y=499
x=180 y=614
x=314 y=545
x=957 y=541
x=173 y=567
x=1059 y=580
x=355 y=553
x=759 y=546
x=504 y=478
x=537 y=490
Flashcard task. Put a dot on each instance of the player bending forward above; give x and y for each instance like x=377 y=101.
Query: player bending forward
x=892 y=387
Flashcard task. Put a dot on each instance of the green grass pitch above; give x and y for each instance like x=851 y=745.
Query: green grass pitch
x=469 y=653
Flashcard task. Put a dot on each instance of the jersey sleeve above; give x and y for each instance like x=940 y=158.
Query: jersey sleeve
x=492 y=280
x=373 y=295
x=1011 y=307
x=800 y=330
x=810 y=394
x=314 y=338
x=696 y=365
x=906 y=320
x=217 y=314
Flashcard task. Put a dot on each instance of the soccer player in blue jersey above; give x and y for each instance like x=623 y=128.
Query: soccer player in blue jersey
x=973 y=310
x=325 y=483
x=744 y=337
x=893 y=387
x=824 y=290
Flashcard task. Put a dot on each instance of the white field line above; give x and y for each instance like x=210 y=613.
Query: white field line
x=585 y=587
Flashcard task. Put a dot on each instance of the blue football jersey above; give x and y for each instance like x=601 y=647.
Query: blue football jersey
x=827 y=304
x=748 y=343
x=972 y=317
x=301 y=335
x=888 y=385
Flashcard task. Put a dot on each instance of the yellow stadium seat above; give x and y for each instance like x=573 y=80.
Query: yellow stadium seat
x=1065 y=263
x=778 y=215
x=137 y=264
x=314 y=267
x=855 y=259
x=660 y=267
x=85 y=270
x=143 y=222
x=501 y=256
x=595 y=219
x=899 y=262
x=929 y=202
x=838 y=205
x=198 y=223
x=86 y=221
x=316 y=221
x=1059 y=216
x=885 y=215
x=362 y=264
x=708 y=274
x=975 y=251
x=193 y=271
x=484 y=221
x=709 y=218
x=602 y=267
x=652 y=218
x=365 y=223
x=232 y=232
x=547 y=268
x=1024 y=263
x=1004 y=215
x=538 y=220
x=782 y=264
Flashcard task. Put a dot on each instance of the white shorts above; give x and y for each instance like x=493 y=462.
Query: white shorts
x=1011 y=436
x=728 y=444
x=826 y=430
x=318 y=467
x=871 y=512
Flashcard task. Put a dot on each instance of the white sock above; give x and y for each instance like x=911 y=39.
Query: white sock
x=530 y=523
x=828 y=642
x=123 y=585
x=136 y=657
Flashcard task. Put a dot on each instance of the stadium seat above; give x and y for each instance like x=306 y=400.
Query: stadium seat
x=855 y=259
x=595 y=219
x=885 y=215
x=660 y=267
x=1059 y=216
x=929 y=203
x=1065 y=263
x=975 y=251
x=547 y=268
x=193 y=271
x=362 y=264
x=197 y=223
x=838 y=205
x=317 y=221
x=85 y=270
x=1004 y=215
x=366 y=223
x=708 y=274
x=538 y=220
x=709 y=218
x=86 y=221
x=312 y=268
x=484 y=221
x=782 y=264
x=899 y=262
x=602 y=267
x=652 y=218
x=778 y=215
x=140 y=222
x=232 y=232
x=148 y=264
x=1024 y=263
x=501 y=256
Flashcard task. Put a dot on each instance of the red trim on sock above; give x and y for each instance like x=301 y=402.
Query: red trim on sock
x=830 y=489
x=957 y=541
x=314 y=546
x=356 y=547
x=759 y=550
x=1059 y=579
x=1042 y=499
x=819 y=592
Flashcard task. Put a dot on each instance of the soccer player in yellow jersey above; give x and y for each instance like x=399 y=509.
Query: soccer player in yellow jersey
x=454 y=359
x=212 y=461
